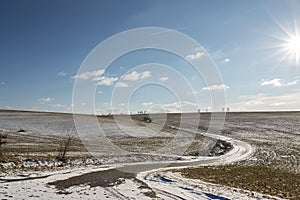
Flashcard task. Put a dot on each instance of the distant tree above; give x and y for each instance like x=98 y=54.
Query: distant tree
x=64 y=146
x=3 y=136
x=223 y=109
x=198 y=110
x=228 y=109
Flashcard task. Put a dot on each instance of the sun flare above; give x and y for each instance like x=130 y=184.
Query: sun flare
x=292 y=48
x=287 y=46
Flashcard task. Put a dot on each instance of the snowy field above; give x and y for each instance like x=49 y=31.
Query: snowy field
x=29 y=169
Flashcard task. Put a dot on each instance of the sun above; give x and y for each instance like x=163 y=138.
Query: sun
x=287 y=45
x=292 y=48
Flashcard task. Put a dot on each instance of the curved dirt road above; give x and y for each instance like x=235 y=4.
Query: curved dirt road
x=177 y=188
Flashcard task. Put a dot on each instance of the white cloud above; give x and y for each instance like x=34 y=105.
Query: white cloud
x=133 y=76
x=278 y=104
x=106 y=81
x=277 y=82
x=265 y=102
x=62 y=73
x=216 y=87
x=145 y=74
x=147 y=103
x=195 y=56
x=121 y=85
x=87 y=75
x=292 y=83
x=98 y=78
x=173 y=107
x=180 y=106
x=226 y=60
x=164 y=78
x=274 y=82
x=45 y=100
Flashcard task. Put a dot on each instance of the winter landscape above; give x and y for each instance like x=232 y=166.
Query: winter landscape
x=251 y=145
x=160 y=99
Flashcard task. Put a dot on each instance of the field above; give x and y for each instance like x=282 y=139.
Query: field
x=270 y=168
x=259 y=178
x=275 y=166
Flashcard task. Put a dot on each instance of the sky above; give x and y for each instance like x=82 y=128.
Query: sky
x=254 y=44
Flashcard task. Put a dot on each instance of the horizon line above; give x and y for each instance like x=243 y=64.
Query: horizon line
x=112 y=114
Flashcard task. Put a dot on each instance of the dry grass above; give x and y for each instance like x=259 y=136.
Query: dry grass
x=263 y=179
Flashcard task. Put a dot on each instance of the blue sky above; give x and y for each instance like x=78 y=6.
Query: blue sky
x=255 y=45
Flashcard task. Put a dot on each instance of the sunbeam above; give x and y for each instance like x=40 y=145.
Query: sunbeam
x=289 y=42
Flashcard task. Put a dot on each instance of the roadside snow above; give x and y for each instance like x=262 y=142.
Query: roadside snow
x=168 y=184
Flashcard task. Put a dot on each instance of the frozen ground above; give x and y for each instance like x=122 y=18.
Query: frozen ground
x=273 y=136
